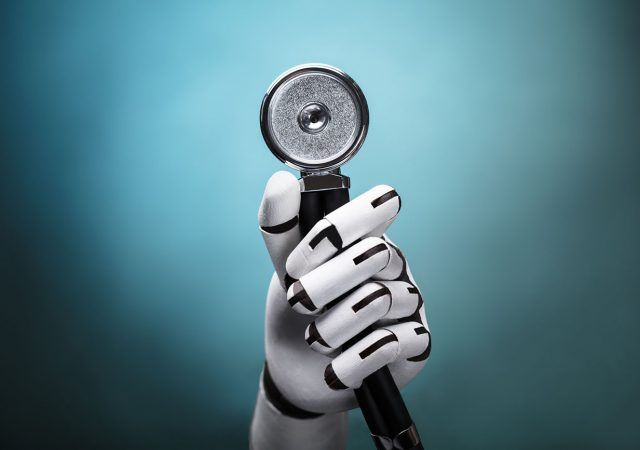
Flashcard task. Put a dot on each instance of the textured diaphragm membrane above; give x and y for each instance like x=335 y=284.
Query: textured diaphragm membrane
x=314 y=117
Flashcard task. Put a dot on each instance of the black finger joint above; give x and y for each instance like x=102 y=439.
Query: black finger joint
x=314 y=336
x=377 y=345
x=369 y=253
x=301 y=296
x=424 y=355
x=420 y=330
x=281 y=228
x=385 y=198
x=369 y=298
x=332 y=379
x=332 y=235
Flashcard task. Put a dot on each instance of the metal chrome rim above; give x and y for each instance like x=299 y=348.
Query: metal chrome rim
x=359 y=98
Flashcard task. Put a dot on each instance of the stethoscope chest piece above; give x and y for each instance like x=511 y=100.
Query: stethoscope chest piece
x=314 y=117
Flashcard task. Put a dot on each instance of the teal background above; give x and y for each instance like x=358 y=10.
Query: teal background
x=134 y=274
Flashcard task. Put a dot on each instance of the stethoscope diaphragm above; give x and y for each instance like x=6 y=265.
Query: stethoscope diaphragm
x=314 y=117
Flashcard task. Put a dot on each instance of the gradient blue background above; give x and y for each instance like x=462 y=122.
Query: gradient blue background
x=134 y=275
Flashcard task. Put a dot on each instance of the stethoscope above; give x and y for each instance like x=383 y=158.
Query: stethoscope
x=294 y=118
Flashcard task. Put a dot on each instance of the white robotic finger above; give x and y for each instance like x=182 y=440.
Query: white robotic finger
x=380 y=229
x=413 y=339
x=405 y=299
x=278 y=218
x=394 y=269
x=381 y=347
x=368 y=214
x=338 y=275
x=372 y=352
x=318 y=246
x=361 y=308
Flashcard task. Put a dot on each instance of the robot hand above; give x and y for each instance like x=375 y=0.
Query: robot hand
x=343 y=277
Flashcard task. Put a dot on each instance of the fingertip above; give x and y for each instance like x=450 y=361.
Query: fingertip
x=332 y=380
x=383 y=188
x=291 y=266
x=288 y=280
x=414 y=340
x=315 y=340
x=282 y=177
x=374 y=241
x=372 y=246
x=385 y=193
x=281 y=199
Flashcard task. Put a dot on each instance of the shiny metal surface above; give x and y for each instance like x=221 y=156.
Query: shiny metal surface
x=323 y=181
x=405 y=440
x=314 y=117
